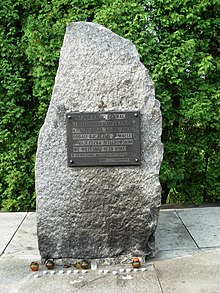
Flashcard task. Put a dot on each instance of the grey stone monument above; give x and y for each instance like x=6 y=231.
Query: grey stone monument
x=98 y=211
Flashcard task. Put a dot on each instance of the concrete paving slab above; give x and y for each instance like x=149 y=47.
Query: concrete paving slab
x=203 y=224
x=9 y=223
x=188 y=269
x=171 y=233
x=192 y=274
x=24 y=244
x=169 y=254
x=15 y=276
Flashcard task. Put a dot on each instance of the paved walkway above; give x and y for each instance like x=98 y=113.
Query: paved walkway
x=188 y=258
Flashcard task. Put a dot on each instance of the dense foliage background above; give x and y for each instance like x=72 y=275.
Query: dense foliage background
x=177 y=41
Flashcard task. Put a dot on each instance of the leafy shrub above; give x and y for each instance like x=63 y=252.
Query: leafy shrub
x=177 y=42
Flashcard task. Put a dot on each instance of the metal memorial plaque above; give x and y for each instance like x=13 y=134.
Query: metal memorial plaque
x=103 y=138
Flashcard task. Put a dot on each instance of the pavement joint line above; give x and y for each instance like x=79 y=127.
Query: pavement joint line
x=158 y=279
x=22 y=221
x=186 y=228
x=209 y=247
x=184 y=249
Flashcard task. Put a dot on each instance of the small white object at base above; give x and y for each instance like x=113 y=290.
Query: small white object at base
x=74 y=282
x=128 y=270
x=36 y=275
x=128 y=277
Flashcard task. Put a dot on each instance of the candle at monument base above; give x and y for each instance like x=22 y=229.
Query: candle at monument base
x=136 y=262
x=94 y=265
x=34 y=266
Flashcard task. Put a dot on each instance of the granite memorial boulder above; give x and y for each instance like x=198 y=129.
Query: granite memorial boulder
x=99 y=152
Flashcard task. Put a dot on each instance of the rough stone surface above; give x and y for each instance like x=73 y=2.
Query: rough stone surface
x=98 y=212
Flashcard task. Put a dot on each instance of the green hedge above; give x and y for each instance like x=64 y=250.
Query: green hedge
x=177 y=41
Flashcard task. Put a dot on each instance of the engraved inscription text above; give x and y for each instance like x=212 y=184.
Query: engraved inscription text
x=98 y=139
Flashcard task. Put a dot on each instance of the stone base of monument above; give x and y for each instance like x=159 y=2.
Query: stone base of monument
x=99 y=153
